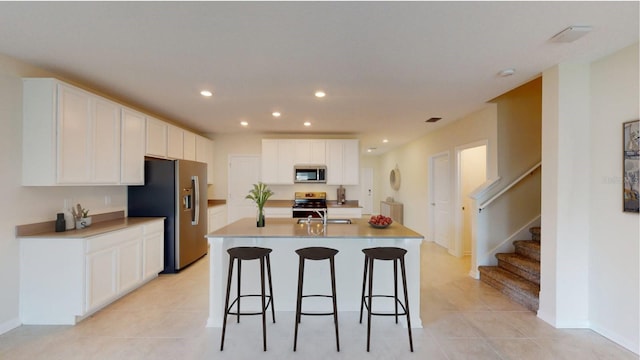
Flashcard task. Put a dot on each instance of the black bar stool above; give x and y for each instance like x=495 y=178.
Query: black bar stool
x=249 y=253
x=385 y=253
x=316 y=253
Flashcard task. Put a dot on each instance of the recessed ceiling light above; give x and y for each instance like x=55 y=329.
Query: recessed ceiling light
x=320 y=94
x=571 y=34
x=307 y=123
x=433 y=119
x=206 y=93
x=507 y=72
x=244 y=123
x=370 y=149
x=275 y=114
x=385 y=140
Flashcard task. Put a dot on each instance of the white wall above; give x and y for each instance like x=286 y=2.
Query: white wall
x=590 y=253
x=614 y=253
x=24 y=205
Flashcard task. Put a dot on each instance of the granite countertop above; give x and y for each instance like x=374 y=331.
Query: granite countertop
x=97 y=228
x=286 y=228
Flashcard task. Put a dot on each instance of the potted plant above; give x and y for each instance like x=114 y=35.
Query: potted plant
x=81 y=216
x=259 y=194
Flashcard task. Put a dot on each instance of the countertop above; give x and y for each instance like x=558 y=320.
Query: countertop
x=98 y=228
x=286 y=228
x=216 y=202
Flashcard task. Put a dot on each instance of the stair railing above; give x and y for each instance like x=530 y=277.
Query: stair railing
x=512 y=184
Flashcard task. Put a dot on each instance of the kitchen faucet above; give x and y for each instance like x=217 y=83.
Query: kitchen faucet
x=323 y=215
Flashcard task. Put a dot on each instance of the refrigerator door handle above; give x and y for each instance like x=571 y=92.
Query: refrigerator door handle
x=195 y=213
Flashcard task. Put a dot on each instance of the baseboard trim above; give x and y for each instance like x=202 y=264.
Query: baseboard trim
x=625 y=342
x=9 y=325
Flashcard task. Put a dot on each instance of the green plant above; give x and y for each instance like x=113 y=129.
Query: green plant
x=79 y=212
x=259 y=194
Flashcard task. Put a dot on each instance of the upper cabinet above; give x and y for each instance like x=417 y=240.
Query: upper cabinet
x=189 y=146
x=70 y=136
x=175 y=142
x=343 y=162
x=156 y=138
x=309 y=151
x=133 y=148
x=278 y=158
x=204 y=153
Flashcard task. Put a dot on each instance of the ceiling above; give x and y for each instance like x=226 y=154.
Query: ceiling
x=386 y=67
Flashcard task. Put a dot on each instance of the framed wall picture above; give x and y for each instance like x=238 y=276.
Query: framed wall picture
x=631 y=165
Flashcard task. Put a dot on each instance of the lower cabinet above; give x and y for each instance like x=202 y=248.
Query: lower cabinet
x=344 y=213
x=63 y=280
x=217 y=217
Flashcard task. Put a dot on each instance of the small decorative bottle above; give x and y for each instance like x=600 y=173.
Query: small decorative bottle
x=61 y=224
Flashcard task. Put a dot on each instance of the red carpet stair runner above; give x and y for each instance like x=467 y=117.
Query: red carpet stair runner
x=518 y=274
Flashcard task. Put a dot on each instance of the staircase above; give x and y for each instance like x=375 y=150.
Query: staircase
x=518 y=274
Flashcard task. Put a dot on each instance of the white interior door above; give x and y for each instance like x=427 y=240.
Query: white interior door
x=366 y=190
x=244 y=171
x=441 y=200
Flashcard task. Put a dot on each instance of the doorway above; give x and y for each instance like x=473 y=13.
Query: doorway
x=472 y=172
x=440 y=199
x=366 y=190
x=244 y=171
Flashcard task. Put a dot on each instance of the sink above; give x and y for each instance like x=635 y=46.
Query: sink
x=329 y=221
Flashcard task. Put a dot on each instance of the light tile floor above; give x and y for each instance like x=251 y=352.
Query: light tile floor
x=165 y=319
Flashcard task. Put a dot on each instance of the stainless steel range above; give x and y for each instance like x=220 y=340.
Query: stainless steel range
x=310 y=204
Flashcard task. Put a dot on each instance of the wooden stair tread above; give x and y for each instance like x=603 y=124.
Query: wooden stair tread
x=521 y=262
x=529 y=244
x=511 y=280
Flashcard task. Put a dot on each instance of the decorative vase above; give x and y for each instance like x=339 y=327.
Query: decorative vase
x=260 y=218
x=83 y=223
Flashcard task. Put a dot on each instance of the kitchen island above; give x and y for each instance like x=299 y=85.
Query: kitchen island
x=284 y=236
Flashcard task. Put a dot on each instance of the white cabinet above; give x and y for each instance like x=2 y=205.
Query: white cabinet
x=278 y=212
x=175 y=142
x=344 y=213
x=70 y=136
x=217 y=217
x=132 y=148
x=309 y=151
x=189 y=146
x=204 y=153
x=153 y=250
x=64 y=279
x=343 y=162
x=278 y=157
x=156 y=138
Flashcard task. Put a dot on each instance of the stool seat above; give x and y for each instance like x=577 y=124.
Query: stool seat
x=248 y=252
x=385 y=253
x=317 y=253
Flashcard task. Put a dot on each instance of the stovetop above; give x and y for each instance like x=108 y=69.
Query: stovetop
x=311 y=200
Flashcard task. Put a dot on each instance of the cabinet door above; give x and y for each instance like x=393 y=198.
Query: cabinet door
x=153 y=249
x=74 y=136
x=351 y=163
x=156 y=138
x=269 y=161
x=129 y=265
x=175 y=142
x=286 y=160
x=334 y=162
x=133 y=145
x=101 y=283
x=189 y=139
x=317 y=152
x=106 y=143
x=204 y=153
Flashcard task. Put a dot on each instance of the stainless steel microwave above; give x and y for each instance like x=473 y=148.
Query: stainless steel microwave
x=309 y=174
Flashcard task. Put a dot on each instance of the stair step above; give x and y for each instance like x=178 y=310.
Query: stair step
x=528 y=248
x=521 y=266
x=535 y=233
x=515 y=287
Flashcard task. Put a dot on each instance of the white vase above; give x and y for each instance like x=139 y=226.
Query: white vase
x=83 y=223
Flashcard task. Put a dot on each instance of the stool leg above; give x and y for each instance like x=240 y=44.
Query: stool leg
x=264 y=311
x=335 y=304
x=370 y=309
x=298 y=301
x=406 y=301
x=239 y=272
x=273 y=311
x=364 y=283
x=226 y=303
x=395 y=286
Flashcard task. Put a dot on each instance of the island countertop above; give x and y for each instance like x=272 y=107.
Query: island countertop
x=286 y=228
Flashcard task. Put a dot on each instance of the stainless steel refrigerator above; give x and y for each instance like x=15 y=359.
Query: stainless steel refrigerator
x=177 y=190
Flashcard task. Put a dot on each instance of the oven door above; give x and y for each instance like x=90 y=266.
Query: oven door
x=304 y=213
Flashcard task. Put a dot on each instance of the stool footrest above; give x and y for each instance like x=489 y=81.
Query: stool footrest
x=366 y=305
x=266 y=305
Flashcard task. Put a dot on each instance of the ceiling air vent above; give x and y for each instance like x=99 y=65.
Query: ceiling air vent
x=433 y=119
